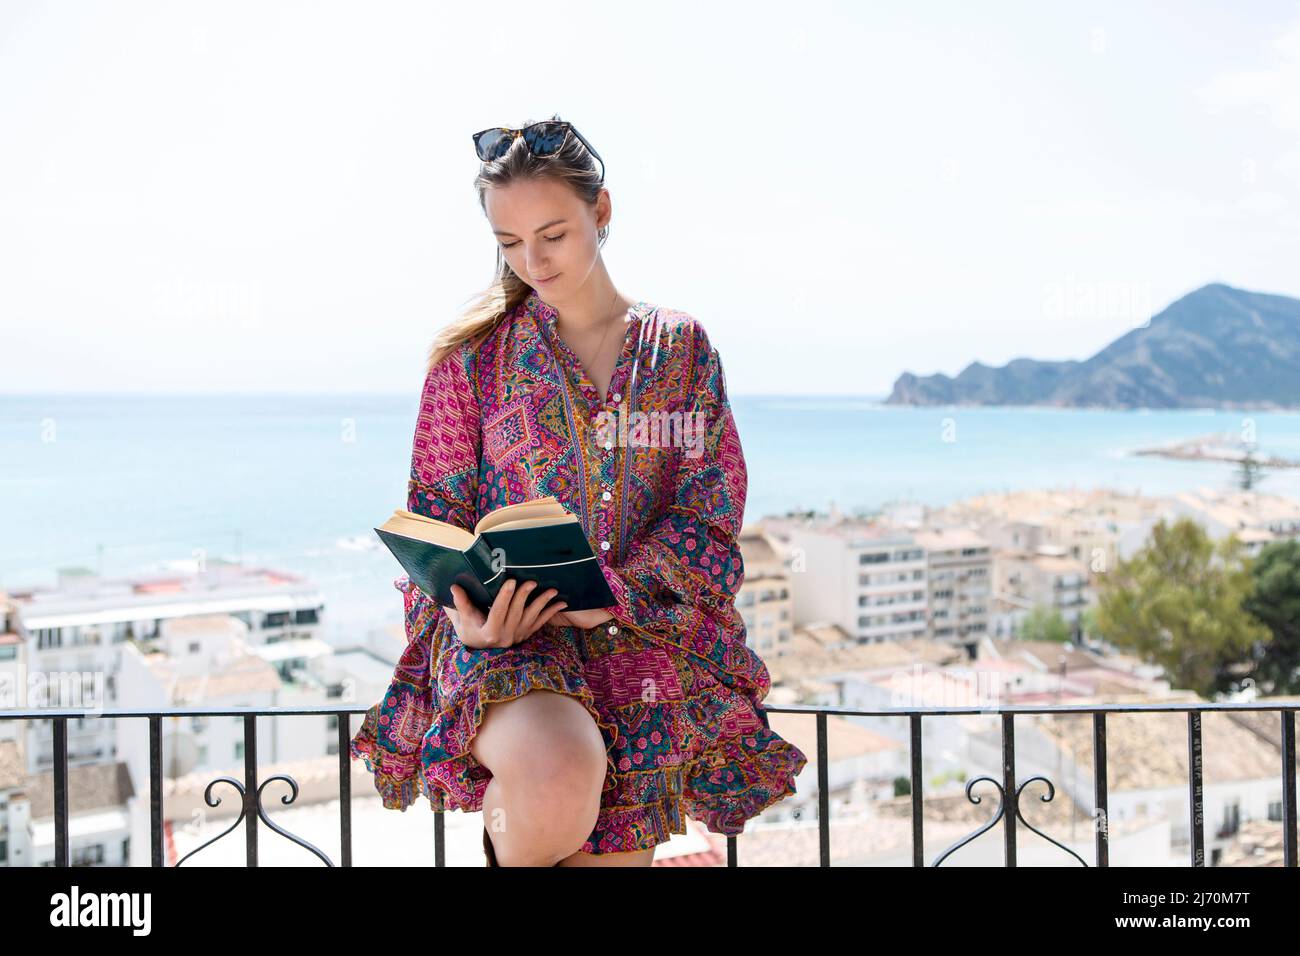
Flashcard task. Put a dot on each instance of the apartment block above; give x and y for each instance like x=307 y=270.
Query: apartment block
x=764 y=599
x=866 y=577
x=959 y=576
x=1026 y=580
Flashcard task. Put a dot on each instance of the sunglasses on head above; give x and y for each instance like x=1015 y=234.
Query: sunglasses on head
x=543 y=139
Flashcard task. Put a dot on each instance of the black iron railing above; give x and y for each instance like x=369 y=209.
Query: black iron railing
x=1009 y=790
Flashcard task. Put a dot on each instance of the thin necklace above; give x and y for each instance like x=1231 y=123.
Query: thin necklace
x=599 y=348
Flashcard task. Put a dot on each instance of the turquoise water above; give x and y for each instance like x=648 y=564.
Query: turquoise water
x=129 y=483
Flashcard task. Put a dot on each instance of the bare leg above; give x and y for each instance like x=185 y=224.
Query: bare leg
x=547 y=759
x=634 y=858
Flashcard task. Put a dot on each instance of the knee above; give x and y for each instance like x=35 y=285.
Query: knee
x=563 y=765
x=552 y=790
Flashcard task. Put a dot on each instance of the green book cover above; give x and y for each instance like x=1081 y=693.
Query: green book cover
x=544 y=543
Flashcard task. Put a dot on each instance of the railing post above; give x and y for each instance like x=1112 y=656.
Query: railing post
x=344 y=721
x=1288 y=789
x=439 y=840
x=823 y=796
x=1100 y=793
x=918 y=798
x=1196 y=790
x=250 y=790
x=155 y=791
x=60 y=791
x=1009 y=788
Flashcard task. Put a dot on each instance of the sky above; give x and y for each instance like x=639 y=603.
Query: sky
x=276 y=196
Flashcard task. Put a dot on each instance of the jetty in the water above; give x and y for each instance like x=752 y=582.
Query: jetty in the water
x=1219 y=447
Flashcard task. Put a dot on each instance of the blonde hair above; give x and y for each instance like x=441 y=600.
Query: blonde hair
x=574 y=165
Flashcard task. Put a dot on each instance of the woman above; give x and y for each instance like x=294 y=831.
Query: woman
x=585 y=737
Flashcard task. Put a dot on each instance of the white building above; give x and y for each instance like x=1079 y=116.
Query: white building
x=226 y=637
x=867 y=578
x=764 y=599
x=1254 y=517
x=959 y=573
x=77 y=630
x=1024 y=581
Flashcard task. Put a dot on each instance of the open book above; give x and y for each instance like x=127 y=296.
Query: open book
x=538 y=540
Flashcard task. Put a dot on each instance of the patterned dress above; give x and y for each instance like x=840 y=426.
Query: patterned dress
x=655 y=472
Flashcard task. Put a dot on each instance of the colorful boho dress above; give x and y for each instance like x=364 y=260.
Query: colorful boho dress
x=670 y=680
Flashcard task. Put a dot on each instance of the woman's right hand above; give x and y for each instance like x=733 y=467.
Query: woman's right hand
x=511 y=619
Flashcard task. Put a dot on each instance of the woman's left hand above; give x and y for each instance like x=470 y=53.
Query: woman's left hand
x=582 y=619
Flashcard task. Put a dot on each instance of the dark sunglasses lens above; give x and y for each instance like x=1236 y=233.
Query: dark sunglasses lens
x=546 y=138
x=492 y=144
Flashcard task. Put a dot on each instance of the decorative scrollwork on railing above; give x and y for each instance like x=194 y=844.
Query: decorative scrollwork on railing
x=974 y=799
x=207 y=798
x=286 y=800
x=261 y=812
x=1002 y=808
x=1046 y=798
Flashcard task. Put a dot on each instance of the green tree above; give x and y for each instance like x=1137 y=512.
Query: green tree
x=1178 y=603
x=1044 y=623
x=1088 y=621
x=1276 y=602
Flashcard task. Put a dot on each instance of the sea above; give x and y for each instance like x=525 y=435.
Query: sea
x=146 y=483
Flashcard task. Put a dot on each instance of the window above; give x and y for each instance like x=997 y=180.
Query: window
x=87 y=855
x=307 y=616
x=877 y=558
